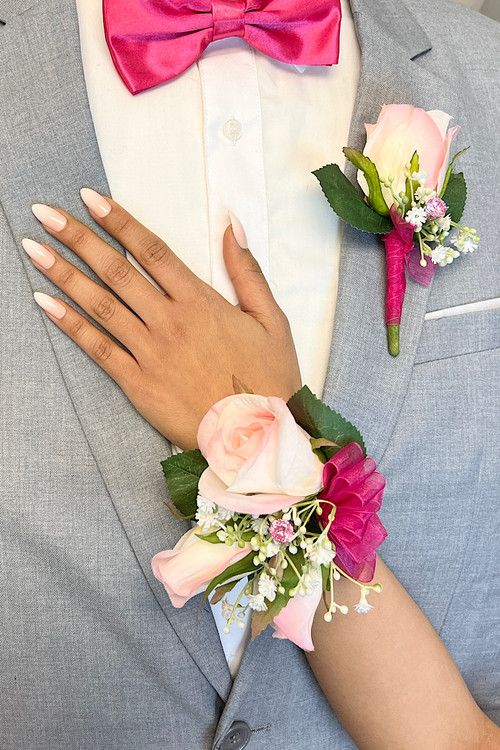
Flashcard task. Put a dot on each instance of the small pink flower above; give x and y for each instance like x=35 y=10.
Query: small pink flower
x=187 y=569
x=260 y=460
x=436 y=207
x=281 y=531
x=355 y=488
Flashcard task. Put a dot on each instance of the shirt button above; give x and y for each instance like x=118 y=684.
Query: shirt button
x=232 y=129
x=237 y=738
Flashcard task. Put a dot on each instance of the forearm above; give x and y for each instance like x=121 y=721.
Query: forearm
x=390 y=679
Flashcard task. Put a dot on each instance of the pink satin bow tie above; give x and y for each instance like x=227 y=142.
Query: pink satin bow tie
x=152 y=41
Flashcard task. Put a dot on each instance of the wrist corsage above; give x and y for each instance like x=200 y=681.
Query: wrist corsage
x=283 y=495
x=411 y=197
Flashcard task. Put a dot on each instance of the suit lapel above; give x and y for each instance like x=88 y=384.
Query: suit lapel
x=49 y=153
x=363 y=381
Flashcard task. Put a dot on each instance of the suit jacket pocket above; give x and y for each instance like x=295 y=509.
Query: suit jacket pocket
x=459 y=334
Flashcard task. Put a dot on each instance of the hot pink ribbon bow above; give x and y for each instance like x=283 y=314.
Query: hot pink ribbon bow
x=353 y=486
x=152 y=41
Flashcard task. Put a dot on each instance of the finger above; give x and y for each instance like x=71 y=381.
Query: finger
x=250 y=285
x=114 y=360
x=110 y=265
x=99 y=303
x=150 y=251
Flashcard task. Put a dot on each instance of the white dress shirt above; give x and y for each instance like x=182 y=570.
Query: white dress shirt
x=237 y=131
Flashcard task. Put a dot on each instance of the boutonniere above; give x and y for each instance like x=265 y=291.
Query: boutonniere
x=281 y=494
x=411 y=197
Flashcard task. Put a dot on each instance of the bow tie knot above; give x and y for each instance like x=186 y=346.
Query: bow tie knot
x=228 y=18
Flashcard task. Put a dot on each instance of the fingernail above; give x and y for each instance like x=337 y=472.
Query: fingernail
x=238 y=231
x=39 y=253
x=95 y=202
x=50 y=305
x=49 y=217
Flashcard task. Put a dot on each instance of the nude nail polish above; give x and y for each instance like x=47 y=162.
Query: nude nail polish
x=50 y=305
x=49 y=217
x=95 y=202
x=238 y=231
x=39 y=253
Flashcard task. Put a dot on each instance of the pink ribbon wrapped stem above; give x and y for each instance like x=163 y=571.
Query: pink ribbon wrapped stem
x=398 y=245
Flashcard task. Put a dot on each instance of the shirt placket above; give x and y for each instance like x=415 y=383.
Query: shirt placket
x=234 y=160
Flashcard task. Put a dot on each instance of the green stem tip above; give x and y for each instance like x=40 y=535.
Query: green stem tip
x=393 y=340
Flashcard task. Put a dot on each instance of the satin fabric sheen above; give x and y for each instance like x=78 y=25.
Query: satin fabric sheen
x=152 y=41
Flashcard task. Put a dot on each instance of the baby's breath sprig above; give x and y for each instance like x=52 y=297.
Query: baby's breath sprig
x=426 y=210
x=290 y=540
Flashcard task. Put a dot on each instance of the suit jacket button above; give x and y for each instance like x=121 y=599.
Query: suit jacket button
x=237 y=738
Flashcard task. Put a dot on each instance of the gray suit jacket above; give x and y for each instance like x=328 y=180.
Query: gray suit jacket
x=93 y=656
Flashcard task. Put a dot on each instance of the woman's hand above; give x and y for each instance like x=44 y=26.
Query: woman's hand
x=183 y=347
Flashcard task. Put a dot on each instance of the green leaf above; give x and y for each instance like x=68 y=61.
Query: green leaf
x=414 y=167
x=313 y=525
x=221 y=591
x=317 y=444
x=321 y=443
x=247 y=535
x=212 y=538
x=182 y=474
x=319 y=421
x=375 y=195
x=237 y=569
x=455 y=196
x=348 y=203
x=260 y=620
x=176 y=513
x=240 y=387
x=325 y=577
x=449 y=170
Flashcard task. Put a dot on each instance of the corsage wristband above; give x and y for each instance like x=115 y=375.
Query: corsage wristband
x=282 y=494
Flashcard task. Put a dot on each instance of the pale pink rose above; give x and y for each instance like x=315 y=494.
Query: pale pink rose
x=400 y=131
x=296 y=619
x=260 y=460
x=187 y=569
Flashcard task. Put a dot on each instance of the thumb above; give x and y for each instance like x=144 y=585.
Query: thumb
x=250 y=285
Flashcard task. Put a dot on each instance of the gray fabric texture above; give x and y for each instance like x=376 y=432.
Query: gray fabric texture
x=93 y=655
